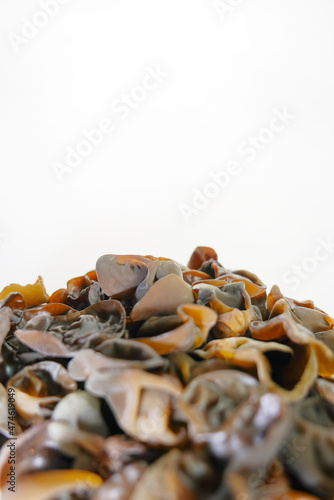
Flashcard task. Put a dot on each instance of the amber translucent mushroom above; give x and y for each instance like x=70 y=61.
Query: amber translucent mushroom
x=298 y=375
x=200 y=255
x=284 y=326
x=38 y=388
x=49 y=484
x=192 y=333
x=235 y=311
x=33 y=295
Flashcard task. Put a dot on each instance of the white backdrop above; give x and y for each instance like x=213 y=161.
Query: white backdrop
x=154 y=126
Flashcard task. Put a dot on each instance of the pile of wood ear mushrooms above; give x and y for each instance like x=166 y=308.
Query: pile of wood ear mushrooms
x=149 y=380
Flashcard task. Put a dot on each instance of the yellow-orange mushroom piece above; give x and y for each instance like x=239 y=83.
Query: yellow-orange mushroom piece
x=48 y=484
x=33 y=294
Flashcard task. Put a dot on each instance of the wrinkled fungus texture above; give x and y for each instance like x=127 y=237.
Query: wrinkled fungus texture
x=145 y=379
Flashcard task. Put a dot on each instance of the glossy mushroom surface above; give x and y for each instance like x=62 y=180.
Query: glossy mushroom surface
x=145 y=379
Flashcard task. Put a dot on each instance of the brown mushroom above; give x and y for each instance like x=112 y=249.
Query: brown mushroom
x=142 y=404
x=163 y=298
x=115 y=354
x=196 y=322
x=296 y=375
x=38 y=388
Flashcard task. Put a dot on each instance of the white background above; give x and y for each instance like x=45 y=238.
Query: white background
x=226 y=75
